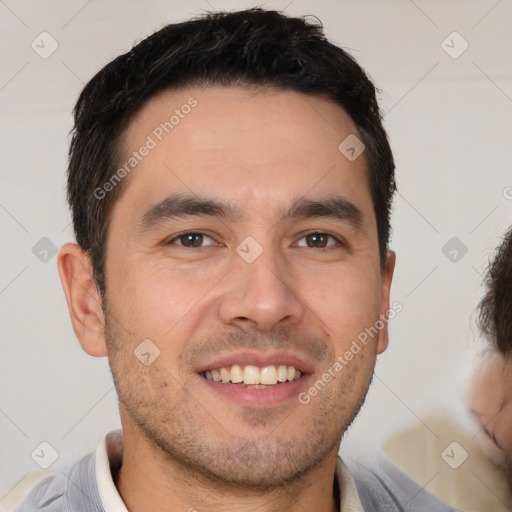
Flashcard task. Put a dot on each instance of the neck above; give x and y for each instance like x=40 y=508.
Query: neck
x=149 y=481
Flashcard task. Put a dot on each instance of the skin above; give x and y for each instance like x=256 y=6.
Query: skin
x=186 y=445
x=490 y=400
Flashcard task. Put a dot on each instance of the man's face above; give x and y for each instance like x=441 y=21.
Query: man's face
x=254 y=289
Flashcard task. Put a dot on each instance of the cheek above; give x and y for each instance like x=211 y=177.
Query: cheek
x=347 y=301
x=156 y=298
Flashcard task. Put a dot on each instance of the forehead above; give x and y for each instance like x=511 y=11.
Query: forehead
x=254 y=146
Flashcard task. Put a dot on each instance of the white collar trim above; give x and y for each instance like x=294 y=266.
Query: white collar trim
x=110 y=448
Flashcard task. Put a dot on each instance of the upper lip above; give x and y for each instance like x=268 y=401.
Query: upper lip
x=262 y=359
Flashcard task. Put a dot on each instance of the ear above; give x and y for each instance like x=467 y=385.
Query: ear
x=387 y=277
x=83 y=298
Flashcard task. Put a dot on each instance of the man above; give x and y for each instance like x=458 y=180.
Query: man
x=231 y=183
x=491 y=388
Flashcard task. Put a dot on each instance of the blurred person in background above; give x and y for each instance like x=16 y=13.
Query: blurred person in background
x=490 y=395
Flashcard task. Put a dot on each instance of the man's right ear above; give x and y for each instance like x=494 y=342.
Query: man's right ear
x=83 y=298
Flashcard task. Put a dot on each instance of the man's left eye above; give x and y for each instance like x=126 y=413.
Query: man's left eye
x=319 y=240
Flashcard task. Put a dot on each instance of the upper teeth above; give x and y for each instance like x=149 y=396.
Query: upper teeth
x=249 y=374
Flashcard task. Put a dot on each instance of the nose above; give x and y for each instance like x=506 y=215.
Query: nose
x=260 y=295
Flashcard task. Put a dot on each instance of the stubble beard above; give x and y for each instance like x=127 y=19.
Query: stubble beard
x=183 y=441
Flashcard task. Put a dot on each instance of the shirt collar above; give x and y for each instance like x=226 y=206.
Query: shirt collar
x=109 y=454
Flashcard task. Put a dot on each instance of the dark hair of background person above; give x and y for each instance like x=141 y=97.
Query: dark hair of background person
x=495 y=309
x=248 y=48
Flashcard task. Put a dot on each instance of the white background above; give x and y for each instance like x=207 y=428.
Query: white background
x=449 y=121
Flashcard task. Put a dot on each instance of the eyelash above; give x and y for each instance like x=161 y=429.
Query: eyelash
x=178 y=236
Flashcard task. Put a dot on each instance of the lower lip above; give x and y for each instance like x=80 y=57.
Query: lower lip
x=258 y=398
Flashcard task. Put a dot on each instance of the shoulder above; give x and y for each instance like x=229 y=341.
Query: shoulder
x=46 y=494
x=383 y=487
x=74 y=485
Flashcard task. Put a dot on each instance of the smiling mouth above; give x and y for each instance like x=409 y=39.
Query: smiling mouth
x=250 y=376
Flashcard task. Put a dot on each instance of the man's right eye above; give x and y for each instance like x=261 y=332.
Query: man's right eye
x=189 y=240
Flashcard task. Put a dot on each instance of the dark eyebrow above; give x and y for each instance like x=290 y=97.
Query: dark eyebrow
x=184 y=205
x=334 y=207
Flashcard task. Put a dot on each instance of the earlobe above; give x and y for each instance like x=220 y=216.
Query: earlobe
x=387 y=278
x=83 y=299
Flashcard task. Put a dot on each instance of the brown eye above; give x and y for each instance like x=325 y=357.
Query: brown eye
x=190 y=240
x=318 y=240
